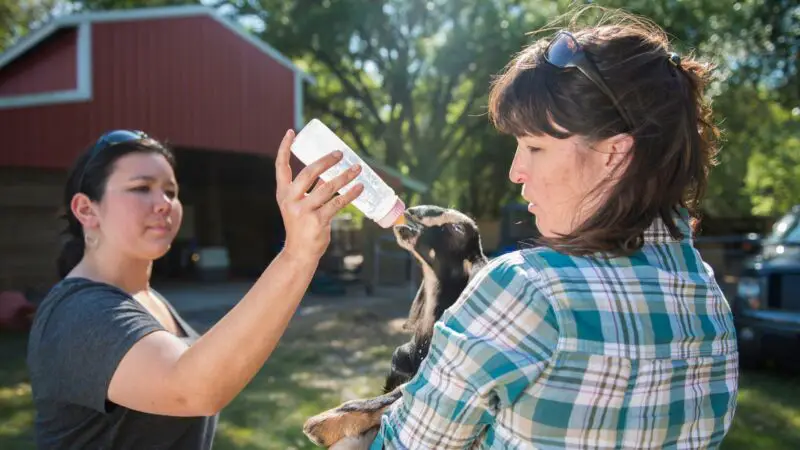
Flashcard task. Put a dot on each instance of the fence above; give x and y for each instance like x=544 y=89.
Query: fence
x=727 y=255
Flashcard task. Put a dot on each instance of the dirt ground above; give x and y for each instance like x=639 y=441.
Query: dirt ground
x=335 y=353
x=339 y=348
x=335 y=349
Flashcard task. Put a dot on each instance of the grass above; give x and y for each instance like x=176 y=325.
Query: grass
x=325 y=360
x=304 y=377
x=768 y=413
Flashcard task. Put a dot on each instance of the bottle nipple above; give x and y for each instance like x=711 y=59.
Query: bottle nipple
x=394 y=215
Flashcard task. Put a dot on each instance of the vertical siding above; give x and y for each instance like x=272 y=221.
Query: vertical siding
x=44 y=136
x=52 y=67
x=188 y=81
x=192 y=82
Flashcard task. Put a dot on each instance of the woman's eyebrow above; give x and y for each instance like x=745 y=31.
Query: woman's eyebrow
x=149 y=179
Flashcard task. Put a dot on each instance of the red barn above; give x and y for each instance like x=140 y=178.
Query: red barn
x=185 y=75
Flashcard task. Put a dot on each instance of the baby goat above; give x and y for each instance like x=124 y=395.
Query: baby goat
x=447 y=246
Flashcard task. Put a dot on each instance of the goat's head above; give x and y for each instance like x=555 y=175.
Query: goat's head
x=444 y=240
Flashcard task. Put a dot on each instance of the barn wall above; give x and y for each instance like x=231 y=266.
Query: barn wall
x=52 y=67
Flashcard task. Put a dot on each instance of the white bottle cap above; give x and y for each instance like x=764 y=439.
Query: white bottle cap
x=391 y=217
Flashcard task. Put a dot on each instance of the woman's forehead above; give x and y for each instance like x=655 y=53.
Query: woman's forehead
x=540 y=139
x=139 y=164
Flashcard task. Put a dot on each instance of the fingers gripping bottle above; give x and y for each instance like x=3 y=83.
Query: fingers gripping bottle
x=378 y=201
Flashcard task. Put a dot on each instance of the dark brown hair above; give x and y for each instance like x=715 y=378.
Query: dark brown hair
x=674 y=136
x=92 y=175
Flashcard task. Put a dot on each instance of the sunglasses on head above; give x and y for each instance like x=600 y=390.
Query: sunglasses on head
x=108 y=140
x=565 y=52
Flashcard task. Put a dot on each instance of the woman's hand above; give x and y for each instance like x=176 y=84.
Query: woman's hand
x=307 y=217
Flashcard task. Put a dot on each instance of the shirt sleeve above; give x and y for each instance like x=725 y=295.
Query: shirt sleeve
x=87 y=336
x=485 y=351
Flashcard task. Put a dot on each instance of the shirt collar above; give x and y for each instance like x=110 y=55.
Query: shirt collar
x=658 y=232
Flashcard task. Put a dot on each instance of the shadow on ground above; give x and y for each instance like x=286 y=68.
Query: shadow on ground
x=331 y=355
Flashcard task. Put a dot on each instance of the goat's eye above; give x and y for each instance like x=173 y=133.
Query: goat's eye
x=456 y=227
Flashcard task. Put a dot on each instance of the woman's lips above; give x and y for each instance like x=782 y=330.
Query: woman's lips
x=160 y=229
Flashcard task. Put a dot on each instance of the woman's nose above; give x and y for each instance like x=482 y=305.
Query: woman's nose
x=163 y=203
x=515 y=173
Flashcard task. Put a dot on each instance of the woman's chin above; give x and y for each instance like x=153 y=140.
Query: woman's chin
x=154 y=251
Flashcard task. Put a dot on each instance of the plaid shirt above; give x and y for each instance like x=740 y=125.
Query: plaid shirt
x=550 y=351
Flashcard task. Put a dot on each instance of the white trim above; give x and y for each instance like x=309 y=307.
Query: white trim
x=299 y=121
x=117 y=15
x=85 y=60
x=28 y=42
x=263 y=46
x=145 y=14
x=83 y=75
x=44 y=98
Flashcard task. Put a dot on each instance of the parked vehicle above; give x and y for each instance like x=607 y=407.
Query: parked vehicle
x=766 y=304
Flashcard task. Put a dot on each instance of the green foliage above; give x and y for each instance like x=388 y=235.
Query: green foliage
x=18 y=16
x=405 y=82
x=773 y=177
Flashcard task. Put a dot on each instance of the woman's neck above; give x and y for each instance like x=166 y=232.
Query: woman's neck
x=130 y=275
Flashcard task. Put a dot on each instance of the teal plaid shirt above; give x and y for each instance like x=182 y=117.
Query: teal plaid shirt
x=550 y=351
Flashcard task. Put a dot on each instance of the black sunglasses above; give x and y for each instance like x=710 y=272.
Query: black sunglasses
x=564 y=52
x=107 y=141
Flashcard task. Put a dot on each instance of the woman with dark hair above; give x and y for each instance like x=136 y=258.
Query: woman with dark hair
x=112 y=364
x=613 y=333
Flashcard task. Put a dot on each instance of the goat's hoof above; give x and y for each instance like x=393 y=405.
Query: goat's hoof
x=362 y=442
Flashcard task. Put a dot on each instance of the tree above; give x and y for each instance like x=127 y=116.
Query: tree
x=755 y=45
x=18 y=16
x=405 y=81
x=773 y=175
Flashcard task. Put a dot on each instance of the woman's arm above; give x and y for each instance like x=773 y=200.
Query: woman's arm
x=487 y=348
x=160 y=375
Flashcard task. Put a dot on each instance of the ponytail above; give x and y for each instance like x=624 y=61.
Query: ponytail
x=71 y=255
x=74 y=246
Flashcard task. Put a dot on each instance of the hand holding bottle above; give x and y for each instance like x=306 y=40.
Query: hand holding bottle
x=378 y=202
x=307 y=217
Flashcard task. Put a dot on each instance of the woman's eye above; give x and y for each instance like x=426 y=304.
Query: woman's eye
x=141 y=189
x=533 y=149
x=171 y=193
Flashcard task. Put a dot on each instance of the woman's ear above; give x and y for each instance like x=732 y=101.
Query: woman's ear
x=616 y=152
x=85 y=210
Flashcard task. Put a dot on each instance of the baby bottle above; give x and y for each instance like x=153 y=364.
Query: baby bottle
x=378 y=201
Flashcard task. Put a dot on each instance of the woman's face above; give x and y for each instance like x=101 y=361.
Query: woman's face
x=140 y=213
x=557 y=175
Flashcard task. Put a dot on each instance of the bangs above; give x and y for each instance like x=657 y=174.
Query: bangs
x=524 y=99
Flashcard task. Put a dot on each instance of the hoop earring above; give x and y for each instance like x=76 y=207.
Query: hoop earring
x=91 y=241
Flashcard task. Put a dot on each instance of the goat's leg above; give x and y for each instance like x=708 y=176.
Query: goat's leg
x=402 y=367
x=415 y=312
x=349 y=420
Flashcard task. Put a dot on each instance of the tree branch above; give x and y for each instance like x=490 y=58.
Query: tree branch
x=473 y=97
x=347 y=122
x=362 y=94
x=446 y=155
x=372 y=52
x=439 y=111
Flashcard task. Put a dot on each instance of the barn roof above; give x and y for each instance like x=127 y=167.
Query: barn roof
x=82 y=20
x=83 y=92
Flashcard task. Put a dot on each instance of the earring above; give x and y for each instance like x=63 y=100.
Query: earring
x=91 y=241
